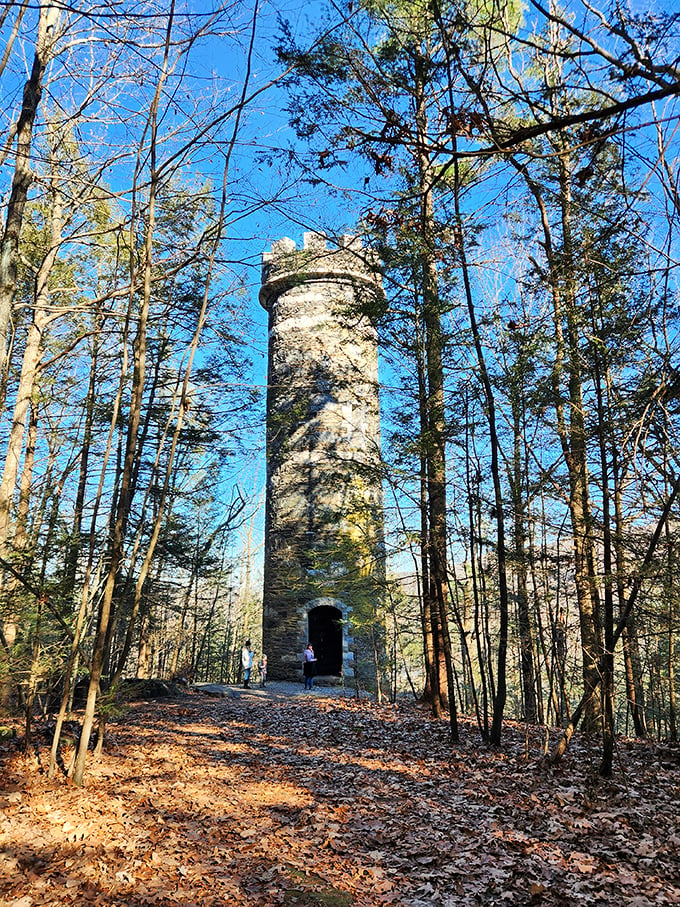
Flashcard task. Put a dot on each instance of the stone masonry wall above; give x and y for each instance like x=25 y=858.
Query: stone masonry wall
x=323 y=525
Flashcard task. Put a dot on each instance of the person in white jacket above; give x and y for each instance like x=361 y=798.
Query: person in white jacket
x=246 y=663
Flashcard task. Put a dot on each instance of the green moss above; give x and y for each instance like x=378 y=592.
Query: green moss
x=313 y=891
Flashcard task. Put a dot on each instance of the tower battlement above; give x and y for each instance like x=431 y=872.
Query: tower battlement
x=286 y=266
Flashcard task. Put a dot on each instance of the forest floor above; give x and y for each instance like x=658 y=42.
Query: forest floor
x=277 y=797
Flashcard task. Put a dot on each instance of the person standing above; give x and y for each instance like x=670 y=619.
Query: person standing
x=262 y=668
x=246 y=663
x=309 y=666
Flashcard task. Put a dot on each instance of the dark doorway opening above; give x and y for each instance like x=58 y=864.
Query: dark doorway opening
x=325 y=635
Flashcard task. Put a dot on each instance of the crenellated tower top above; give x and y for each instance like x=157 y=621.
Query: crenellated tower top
x=287 y=266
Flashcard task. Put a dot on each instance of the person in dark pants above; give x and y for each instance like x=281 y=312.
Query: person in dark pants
x=246 y=663
x=309 y=666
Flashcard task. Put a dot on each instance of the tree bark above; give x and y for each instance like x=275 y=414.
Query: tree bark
x=527 y=667
x=594 y=679
x=127 y=489
x=22 y=179
x=436 y=419
x=29 y=370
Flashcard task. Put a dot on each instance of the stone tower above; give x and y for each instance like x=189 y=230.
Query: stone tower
x=324 y=550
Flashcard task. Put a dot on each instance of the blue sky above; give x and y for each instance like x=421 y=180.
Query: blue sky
x=218 y=66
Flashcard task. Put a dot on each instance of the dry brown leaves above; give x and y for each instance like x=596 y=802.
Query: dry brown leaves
x=312 y=802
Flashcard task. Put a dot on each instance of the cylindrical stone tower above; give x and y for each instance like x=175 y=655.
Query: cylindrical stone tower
x=324 y=550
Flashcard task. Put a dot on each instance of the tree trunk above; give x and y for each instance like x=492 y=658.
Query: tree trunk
x=607 y=682
x=432 y=645
x=74 y=546
x=631 y=653
x=126 y=492
x=29 y=370
x=503 y=604
x=527 y=669
x=571 y=429
x=22 y=180
x=574 y=443
x=594 y=679
x=672 y=609
x=436 y=421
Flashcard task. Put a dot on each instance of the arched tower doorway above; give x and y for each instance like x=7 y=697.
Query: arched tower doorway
x=325 y=635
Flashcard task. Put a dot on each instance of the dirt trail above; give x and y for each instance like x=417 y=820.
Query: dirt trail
x=280 y=688
x=278 y=797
